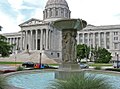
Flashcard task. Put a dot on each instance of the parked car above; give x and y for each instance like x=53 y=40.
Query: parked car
x=84 y=65
x=116 y=64
x=46 y=66
x=28 y=64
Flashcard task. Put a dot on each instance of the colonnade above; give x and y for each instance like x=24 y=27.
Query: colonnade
x=101 y=39
x=39 y=39
x=56 y=12
x=15 y=41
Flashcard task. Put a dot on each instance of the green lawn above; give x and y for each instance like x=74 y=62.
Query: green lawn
x=10 y=62
x=101 y=64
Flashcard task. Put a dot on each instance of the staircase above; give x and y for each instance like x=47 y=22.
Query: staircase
x=33 y=56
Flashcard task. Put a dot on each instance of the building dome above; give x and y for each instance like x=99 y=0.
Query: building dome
x=56 y=9
x=57 y=2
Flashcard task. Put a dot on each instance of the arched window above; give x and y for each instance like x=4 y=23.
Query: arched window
x=62 y=12
x=56 y=12
x=50 y=12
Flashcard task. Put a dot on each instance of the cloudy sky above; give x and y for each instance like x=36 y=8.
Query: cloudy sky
x=95 y=12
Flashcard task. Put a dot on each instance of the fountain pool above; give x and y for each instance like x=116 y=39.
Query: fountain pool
x=42 y=80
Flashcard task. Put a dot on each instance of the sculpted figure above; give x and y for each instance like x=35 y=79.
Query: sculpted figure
x=69 y=44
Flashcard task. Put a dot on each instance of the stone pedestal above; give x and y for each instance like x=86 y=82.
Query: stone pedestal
x=67 y=70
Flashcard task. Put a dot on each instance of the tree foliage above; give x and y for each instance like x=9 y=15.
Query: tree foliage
x=5 y=48
x=102 y=55
x=97 y=54
x=82 y=51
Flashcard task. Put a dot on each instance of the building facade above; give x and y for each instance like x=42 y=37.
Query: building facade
x=101 y=36
x=40 y=35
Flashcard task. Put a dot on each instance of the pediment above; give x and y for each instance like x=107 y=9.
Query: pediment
x=31 y=22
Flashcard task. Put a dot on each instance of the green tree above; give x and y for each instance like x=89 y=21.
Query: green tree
x=82 y=51
x=5 y=48
x=102 y=55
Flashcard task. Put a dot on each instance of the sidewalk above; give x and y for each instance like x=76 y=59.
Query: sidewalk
x=6 y=68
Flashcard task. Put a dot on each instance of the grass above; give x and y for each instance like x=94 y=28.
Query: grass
x=81 y=82
x=10 y=62
x=54 y=64
x=100 y=64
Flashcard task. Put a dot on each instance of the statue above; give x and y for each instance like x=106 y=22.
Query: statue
x=69 y=45
x=69 y=28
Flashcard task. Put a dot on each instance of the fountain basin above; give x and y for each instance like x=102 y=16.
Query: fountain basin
x=63 y=24
x=42 y=80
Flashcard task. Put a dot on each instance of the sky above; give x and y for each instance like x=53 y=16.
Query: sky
x=95 y=12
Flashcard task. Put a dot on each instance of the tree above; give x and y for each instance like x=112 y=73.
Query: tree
x=102 y=55
x=82 y=51
x=5 y=47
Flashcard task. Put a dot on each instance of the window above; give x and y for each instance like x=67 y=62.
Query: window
x=115 y=33
x=115 y=45
x=62 y=12
x=108 y=47
x=50 y=12
x=56 y=12
x=51 y=53
x=58 y=54
x=66 y=13
x=115 y=38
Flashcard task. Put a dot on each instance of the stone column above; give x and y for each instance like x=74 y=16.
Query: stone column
x=111 y=41
x=83 y=38
x=93 y=40
x=59 y=12
x=36 y=39
x=88 y=39
x=31 y=40
x=17 y=40
x=105 y=39
x=47 y=39
x=22 y=40
x=48 y=13
x=41 y=39
x=99 y=39
x=26 y=39
x=54 y=12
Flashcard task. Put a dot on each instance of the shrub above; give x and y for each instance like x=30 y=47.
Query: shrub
x=81 y=82
x=98 y=68
x=3 y=83
x=19 y=68
x=112 y=69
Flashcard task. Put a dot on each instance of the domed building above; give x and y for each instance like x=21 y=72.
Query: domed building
x=39 y=38
x=56 y=9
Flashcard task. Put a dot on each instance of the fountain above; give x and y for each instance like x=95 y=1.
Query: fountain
x=69 y=28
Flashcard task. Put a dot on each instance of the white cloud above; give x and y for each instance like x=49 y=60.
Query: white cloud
x=96 y=12
x=16 y=4
x=8 y=24
x=38 y=14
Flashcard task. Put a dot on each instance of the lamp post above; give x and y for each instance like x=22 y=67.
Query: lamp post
x=40 y=59
x=0 y=28
x=117 y=60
